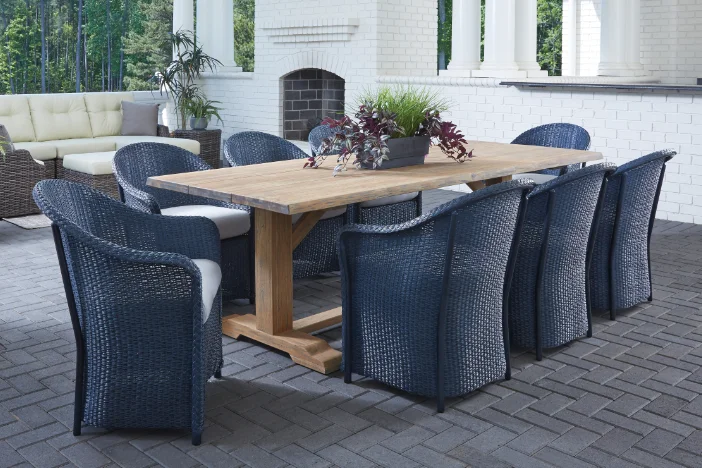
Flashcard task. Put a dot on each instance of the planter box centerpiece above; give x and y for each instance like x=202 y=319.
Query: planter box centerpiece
x=393 y=127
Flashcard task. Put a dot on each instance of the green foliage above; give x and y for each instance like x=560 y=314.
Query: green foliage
x=202 y=108
x=410 y=104
x=244 y=32
x=178 y=77
x=550 y=35
x=148 y=45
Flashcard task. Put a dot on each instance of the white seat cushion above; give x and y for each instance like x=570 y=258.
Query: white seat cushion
x=90 y=163
x=43 y=151
x=82 y=146
x=105 y=112
x=389 y=200
x=536 y=177
x=333 y=213
x=189 y=145
x=211 y=279
x=230 y=222
x=16 y=117
x=59 y=116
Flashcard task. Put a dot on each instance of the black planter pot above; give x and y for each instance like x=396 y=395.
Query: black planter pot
x=403 y=152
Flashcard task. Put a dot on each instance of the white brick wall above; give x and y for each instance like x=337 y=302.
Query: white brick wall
x=671 y=39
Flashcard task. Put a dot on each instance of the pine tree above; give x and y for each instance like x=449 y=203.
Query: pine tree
x=147 y=46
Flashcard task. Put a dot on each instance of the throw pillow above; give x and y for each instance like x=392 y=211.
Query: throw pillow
x=5 y=141
x=139 y=119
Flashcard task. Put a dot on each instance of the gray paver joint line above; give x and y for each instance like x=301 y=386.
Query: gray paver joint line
x=629 y=396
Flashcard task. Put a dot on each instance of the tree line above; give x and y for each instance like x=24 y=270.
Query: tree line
x=60 y=46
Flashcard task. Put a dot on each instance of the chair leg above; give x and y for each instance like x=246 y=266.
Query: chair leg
x=347 y=374
x=218 y=374
x=440 y=404
x=197 y=438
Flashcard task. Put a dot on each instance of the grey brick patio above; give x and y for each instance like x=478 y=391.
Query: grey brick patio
x=629 y=396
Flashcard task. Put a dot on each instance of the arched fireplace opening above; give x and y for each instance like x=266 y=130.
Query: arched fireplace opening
x=310 y=95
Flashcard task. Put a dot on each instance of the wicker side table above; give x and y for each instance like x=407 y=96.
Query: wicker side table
x=210 y=143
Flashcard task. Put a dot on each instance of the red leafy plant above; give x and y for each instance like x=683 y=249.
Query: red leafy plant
x=363 y=140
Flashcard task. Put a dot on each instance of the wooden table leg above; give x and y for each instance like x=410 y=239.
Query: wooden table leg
x=273 y=322
x=497 y=180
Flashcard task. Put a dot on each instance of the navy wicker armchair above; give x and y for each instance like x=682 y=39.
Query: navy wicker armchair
x=382 y=211
x=424 y=303
x=549 y=303
x=144 y=298
x=134 y=164
x=556 y=135
x=620 y=274
x=317 y=252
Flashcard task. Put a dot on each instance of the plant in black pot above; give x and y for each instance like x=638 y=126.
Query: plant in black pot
x=393 y=127
x=201 y=110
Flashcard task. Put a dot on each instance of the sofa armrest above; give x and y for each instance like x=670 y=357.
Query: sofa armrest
x=21 y=161
x=163 y=131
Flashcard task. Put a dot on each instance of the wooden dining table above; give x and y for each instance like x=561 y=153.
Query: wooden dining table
x=282 y=189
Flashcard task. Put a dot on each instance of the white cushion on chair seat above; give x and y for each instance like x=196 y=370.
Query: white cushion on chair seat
x=211 y=278
x=229 y=221
x=389 y=200
x=333 y=213
x=536 y=177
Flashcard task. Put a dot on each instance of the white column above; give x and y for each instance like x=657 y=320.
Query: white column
x=525 y=37
x=465 y=38
x=571 y=48
x=215 y=30
x=183 y=16
x=499 y=59
x=620 y=38
x=634 y=46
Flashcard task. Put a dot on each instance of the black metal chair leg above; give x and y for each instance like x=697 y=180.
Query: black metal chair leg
x=197 y=438
x=440 y=404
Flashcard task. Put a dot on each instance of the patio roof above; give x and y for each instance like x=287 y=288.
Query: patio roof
x=629 y=396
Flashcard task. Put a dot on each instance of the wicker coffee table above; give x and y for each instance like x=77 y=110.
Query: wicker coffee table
x=210 y=144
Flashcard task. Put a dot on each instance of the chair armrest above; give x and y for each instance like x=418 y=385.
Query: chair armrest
x=21 y=161
x=137 y=199
x=163 y=131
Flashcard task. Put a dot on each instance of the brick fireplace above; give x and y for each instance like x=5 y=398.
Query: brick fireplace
x=310 y=95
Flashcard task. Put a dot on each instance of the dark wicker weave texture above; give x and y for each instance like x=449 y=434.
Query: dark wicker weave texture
x=556 y=135
x=135 y=297
x=423 y=301
x=19 y=173
x=210 y=144
x=549 y=291
x=384 y=215
x=620 y=274
x=107 y=183
x=134 y=164
x=317 y=252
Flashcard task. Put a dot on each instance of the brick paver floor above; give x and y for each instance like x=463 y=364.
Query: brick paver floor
x=629 y=396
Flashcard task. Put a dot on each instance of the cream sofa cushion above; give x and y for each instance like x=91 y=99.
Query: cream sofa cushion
x=43 y=151
x=59 y=116
x=189 y=145
x=105 y=112
x=211 y=275
x=82 y=145
x=90 y=163
x=230 y=222
x=16 y=117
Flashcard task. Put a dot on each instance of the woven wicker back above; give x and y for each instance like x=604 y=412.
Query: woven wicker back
x=317 y=135
x=553 y=250
x=123 y=298
x=134 y=164
x=396 y=279
x=556 y=135
x=245 y=148
x=627 y=218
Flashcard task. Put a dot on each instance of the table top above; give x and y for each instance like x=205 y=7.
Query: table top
x=285 y=187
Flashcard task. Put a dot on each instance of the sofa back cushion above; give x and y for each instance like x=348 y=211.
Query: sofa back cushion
x=105 y=112
x=59 y=116
x=16 y=117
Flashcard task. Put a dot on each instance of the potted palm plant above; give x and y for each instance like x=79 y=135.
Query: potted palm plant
x=201 y=110
x=393 y=127
x=179 y=77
